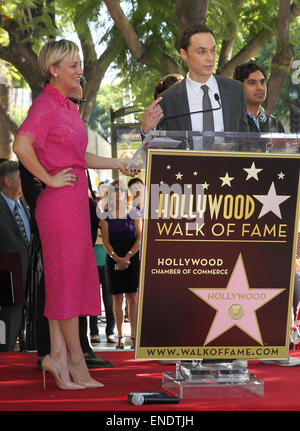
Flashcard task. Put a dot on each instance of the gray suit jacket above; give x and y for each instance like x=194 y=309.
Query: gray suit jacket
x=232 y=95
x=11 y=238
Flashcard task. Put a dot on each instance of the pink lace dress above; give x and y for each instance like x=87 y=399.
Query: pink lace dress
x=63 y=218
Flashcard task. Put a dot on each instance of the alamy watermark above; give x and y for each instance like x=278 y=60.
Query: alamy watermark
x=164 y=201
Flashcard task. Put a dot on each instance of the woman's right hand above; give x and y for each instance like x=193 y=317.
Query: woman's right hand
x=63 y=178
x=122 y=166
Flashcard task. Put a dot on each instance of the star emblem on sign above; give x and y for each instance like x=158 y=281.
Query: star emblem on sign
x=252 y=172
x=236 y=305
x=271 y=202
x=226 y=181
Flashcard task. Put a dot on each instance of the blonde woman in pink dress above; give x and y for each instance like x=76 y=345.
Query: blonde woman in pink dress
x=51 y=144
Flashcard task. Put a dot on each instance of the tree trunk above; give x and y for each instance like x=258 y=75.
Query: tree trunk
x=94 y=73
x=6 y=138
x=282 y=60
x=94 y=69
x=257 y=42
x=247 y=52
x=137 y=49
x=228 y=44
x=191 y=12
x=225 y=54
x=19 y=52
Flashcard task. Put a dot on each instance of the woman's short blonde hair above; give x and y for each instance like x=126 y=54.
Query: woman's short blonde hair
x=53 y=52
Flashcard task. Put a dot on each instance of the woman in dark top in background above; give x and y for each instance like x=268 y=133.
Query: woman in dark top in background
x=121 y=234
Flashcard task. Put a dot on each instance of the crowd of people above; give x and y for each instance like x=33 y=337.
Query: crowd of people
x=48 y=215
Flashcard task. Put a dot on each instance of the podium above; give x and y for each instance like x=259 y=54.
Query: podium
x=218 y=256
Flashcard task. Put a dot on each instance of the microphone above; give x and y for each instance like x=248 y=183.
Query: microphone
x=140 y=398
x=217 y=99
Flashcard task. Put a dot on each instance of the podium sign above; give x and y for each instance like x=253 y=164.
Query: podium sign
x=218 y=255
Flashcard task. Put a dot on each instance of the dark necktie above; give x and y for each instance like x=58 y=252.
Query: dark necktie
x=208 y=118
x=20 y=222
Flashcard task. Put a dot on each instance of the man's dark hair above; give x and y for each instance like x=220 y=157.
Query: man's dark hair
x=166 y=82
x=190 y=31
x=7 y=169
x=133 y=181
x=243 y=71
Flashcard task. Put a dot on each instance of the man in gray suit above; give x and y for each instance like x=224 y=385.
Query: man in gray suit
x=14 y=238
x=200 y=90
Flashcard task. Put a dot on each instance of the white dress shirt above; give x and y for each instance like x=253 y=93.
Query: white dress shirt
x=195 y=98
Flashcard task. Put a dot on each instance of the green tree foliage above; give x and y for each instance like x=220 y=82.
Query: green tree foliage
x=109 y=95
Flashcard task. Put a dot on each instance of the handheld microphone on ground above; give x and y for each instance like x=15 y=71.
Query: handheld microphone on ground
x=217 y=98
x=140 y=398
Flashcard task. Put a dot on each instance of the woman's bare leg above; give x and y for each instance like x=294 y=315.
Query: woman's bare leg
x=132 y=298
x=58 y=349
x=118 y=310
x=67 y=353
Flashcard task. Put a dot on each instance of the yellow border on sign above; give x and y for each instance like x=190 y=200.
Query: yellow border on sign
x=211 y=352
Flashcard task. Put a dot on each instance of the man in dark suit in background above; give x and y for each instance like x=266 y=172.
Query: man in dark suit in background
x=200 y=90
x=14 y=238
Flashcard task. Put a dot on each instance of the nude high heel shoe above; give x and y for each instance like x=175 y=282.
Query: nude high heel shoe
x=48 y=365
x=81 y=376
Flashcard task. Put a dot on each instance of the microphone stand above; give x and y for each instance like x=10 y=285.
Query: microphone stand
x=217 y=98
